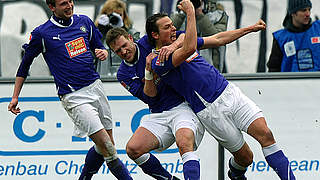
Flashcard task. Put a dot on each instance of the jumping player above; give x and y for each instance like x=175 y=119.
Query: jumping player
x=171 y=119
x=66 y=41
x=222 y=108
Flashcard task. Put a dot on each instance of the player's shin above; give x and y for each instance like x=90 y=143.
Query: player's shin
x=116 y=167
x=236 y=171
x=191 y=166
x=92 y=164
x=152 y=166
x=119 y=170
x=278 y=161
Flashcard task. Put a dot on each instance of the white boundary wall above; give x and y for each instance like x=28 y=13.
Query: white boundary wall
x=38 y=143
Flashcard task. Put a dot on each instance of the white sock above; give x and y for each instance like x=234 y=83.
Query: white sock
x=189 y=156
x=142 y=159
x=270 y=149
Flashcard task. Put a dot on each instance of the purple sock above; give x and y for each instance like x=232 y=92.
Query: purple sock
x=280 y=164
x=153 y=168
x=92 y=164
x=118 y=169
x=191 y=170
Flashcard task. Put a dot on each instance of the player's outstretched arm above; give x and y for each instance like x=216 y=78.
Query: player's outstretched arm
x=190 y=40
x=14 y=101
x=226 y=37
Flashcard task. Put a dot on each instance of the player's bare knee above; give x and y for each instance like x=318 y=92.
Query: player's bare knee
x=185 y=140
x=185 y=145
x=244 y=160
x=108 y=151
x=133 y=151
x=248 y=158
x=244 y=156
x=130 y=150
x=266 y=138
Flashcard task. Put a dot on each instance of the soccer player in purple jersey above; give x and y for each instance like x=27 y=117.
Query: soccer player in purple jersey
x=171 y=119
x=66 y=41
x=222 y=108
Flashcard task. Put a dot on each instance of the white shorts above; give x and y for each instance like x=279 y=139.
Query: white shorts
x=231 y=113
x=165 y=125
x=89 y=109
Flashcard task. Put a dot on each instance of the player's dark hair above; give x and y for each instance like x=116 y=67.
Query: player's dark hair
x=151 y=25
x=51 y=2
x=115 y=33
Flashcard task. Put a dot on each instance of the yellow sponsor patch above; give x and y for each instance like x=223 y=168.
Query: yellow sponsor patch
x=76 y=47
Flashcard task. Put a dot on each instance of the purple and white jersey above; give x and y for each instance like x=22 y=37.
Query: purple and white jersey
x=195 y=79
x=67 y=52
x=131 y=76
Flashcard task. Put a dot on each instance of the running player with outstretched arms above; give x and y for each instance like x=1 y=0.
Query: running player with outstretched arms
x=66 y=42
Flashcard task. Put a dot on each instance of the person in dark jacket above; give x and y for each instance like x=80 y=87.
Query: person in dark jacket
x=296 y=48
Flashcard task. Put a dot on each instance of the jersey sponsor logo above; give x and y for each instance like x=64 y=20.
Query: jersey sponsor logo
x=315 y=40
x=192 y=57
x=76 y=47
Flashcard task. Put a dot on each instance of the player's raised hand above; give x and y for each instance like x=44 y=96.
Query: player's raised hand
x=165 y=52
x=101 y=54
x=13 y=106
x=186 y=6
x=260 y=25
x=149 y=59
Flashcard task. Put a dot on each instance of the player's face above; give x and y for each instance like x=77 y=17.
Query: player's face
x=301 y=17
x=124 y=48
x=167 y=31
x=63 y=8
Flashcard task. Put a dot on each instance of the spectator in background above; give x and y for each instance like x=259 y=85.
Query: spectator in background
x=296 y=48
x=211 y=19
x=113 y=14
x=166 y=6
x=67 y=42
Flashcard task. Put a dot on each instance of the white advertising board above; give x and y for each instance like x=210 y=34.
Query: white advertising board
x=291 y=108
x=38 y=143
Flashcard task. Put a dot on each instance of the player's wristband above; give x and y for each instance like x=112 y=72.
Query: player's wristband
x=148 y=75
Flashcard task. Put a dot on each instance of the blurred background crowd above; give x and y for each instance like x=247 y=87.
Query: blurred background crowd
x=247 y=55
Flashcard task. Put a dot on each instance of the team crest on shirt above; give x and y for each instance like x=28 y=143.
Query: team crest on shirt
x=76 y=47
x=83 y=29
x=125 y=85
x=159 y=63
x=315 y=40
x=192 y=57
